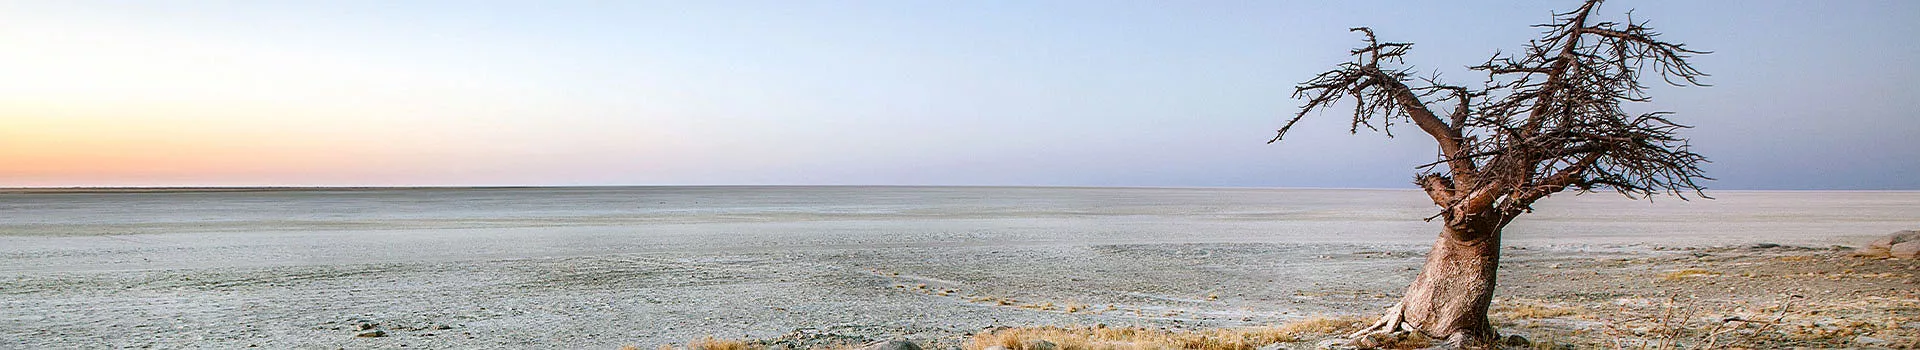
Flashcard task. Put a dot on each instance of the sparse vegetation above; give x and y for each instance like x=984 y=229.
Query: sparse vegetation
x=708 y=343
x=1103 y=338
x=1100 y=337
x=1709 y=298
x=1686 y=273
x=1531 y=311
x=711 y=343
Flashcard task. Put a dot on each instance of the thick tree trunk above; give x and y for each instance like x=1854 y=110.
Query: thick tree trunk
x=1450 y=298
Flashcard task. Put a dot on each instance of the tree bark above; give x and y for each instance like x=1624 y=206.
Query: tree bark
x=1449 y=300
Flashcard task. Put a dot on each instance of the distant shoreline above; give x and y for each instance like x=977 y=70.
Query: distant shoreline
x=222 y=189
x=232 y=189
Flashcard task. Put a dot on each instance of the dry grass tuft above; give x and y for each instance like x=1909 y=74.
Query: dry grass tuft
x=1104 y=338
x=719 y=344
x=716 y=344
x=1796 y=258
x=1687 y=273
x=1321 y=325
x=1531 y=311
x=1073 y=307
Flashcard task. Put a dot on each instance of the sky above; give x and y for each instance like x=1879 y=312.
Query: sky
x=1805 y=95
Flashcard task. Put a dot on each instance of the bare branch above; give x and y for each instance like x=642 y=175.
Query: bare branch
x=1382 y=95
x=1548 y=118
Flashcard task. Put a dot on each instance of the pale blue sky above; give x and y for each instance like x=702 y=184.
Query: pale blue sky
x=1807 y=95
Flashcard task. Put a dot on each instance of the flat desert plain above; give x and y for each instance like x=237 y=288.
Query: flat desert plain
x=602 y=267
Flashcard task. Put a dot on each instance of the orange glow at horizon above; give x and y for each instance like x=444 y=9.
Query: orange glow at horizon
x=108 y=104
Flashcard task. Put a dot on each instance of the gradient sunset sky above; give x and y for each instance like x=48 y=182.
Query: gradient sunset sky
x=1807 y=95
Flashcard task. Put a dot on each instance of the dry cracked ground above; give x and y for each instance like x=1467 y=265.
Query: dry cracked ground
x=1581 y=296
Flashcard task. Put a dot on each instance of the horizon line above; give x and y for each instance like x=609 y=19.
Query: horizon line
x=164 y=189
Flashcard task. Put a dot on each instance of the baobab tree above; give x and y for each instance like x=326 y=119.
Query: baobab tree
x=1547 y=119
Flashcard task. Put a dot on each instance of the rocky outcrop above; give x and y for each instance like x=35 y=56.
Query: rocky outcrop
x=1895 y=238
x=1885 y=246
x=1905 y=250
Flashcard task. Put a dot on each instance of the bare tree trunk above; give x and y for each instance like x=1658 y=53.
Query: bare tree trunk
x=1450 y=298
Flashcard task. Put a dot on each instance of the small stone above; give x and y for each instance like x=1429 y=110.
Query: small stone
x=1038 y=344
x=365 y=326
x=1765 y=246
x=1906 y=250
x=1866 y=340
x=1516 y=341
x=892 y=345
x=372 y=334
x=1335 y=344
x=442 y=327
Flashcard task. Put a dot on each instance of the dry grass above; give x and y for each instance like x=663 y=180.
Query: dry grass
x=1793 y=322
x=1531 y=311
x=720 y=344
x=704 y=344
x=1104 y=338
x=1685 y=274
x=1796 y=258
x=1074 y=307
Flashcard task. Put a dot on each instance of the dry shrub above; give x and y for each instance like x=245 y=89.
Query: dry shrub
x=1105 y=338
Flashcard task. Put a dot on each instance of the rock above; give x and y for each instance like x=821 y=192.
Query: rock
x=1764 y=246
x=1038 y=344
x=1887 y=243
x=892 y=345
x=365 y=326
x=1335 y=344
x=1866 y=340
x=1905 y=250
x=371 y=334
x=1516 y=341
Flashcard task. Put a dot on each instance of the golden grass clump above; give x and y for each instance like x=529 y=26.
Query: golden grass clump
x=1531 y=311
x=1796 y=258
x=1687 y=273
x=1077 y=307
x=727 y=344
x=1105 y=338
x=712 y=344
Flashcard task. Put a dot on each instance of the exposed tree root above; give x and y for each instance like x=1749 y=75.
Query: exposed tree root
x=1393 y=322
x=1392 y=331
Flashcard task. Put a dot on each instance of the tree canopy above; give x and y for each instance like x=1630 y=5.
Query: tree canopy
x=1546 y=119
